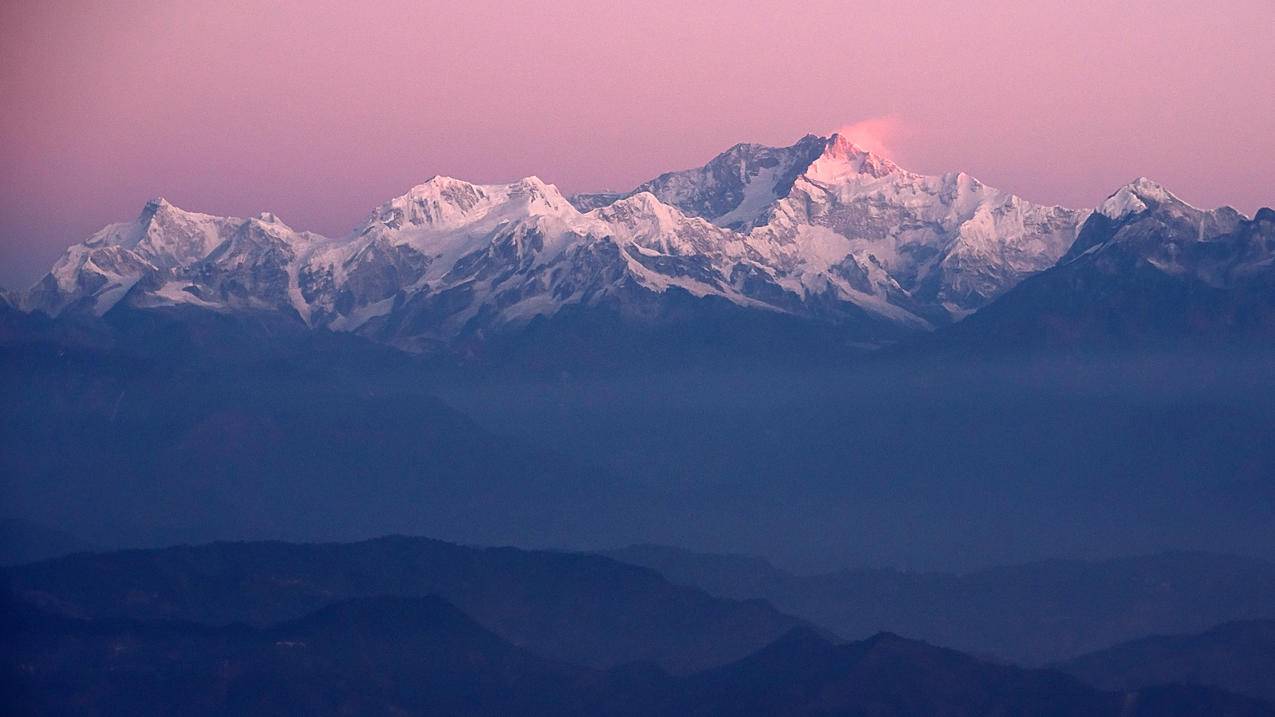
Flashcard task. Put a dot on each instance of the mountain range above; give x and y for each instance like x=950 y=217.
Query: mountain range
x=822 y=358
x=402 y=655
x=409 y=626
x=1146 y=271
x=1236 y=656
x=583 y=609
x=819 y=232
x=1033 y=613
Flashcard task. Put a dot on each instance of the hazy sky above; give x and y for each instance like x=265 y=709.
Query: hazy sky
x=320 y=111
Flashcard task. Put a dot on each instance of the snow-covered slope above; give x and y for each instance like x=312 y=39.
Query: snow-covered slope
x=820 y=230
x=733 y=189
x=916 y=248
x=166 y=249
x=1144 y=223
x=950 y=242
x=1147 y=269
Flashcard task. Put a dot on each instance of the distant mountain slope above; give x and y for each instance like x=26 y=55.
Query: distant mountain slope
x=393 y=655
x=182 y=425
x=584 y=609
x=386 y=655
x=1238 y=657
x=890 y=675
x=1032 y=613
x=1147 y=271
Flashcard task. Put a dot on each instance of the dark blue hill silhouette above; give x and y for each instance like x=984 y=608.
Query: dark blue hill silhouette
x=1236 y=656
x=585 y=609
x=420 y=655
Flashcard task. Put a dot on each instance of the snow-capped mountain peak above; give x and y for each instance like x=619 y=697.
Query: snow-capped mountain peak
x=821 y=229
x=734 y=189
x=156 y=204
x=1136 y=197
x=842 y=158
x=1145 y=222
x=642 y=210
x=653 y=225
x=444 y=202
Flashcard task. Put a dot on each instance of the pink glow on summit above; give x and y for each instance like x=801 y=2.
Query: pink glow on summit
x=319 y=111
x=878 y=135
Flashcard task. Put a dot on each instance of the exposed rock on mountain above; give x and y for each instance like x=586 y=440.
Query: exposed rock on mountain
x=820 y=230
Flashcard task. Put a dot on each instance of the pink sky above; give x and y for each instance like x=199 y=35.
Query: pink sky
x=320 y=111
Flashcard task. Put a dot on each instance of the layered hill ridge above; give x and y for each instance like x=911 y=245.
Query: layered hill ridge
x=821 y=230
x=1060 y=608
x=1236 y=656
x=406 y=653
x=583 y=609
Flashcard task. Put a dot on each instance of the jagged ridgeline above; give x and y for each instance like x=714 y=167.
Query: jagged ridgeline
x=821 y=231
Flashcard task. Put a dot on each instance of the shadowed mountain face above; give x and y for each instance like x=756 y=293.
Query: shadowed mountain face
x=1238 y=657
x=393 y=655
x=1146 y=272
x=370 y=656
x=890 y=675
x=584 y=609
x=1033 y=613
x=159 y=427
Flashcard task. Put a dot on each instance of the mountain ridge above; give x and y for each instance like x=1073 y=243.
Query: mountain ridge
x=1237 y=656
x=424 y=655
x=584 y=609
x=820 y=230
x=1061 y=608
x=1147 y=270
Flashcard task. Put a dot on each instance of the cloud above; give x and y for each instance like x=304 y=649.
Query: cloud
x=878 y=135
